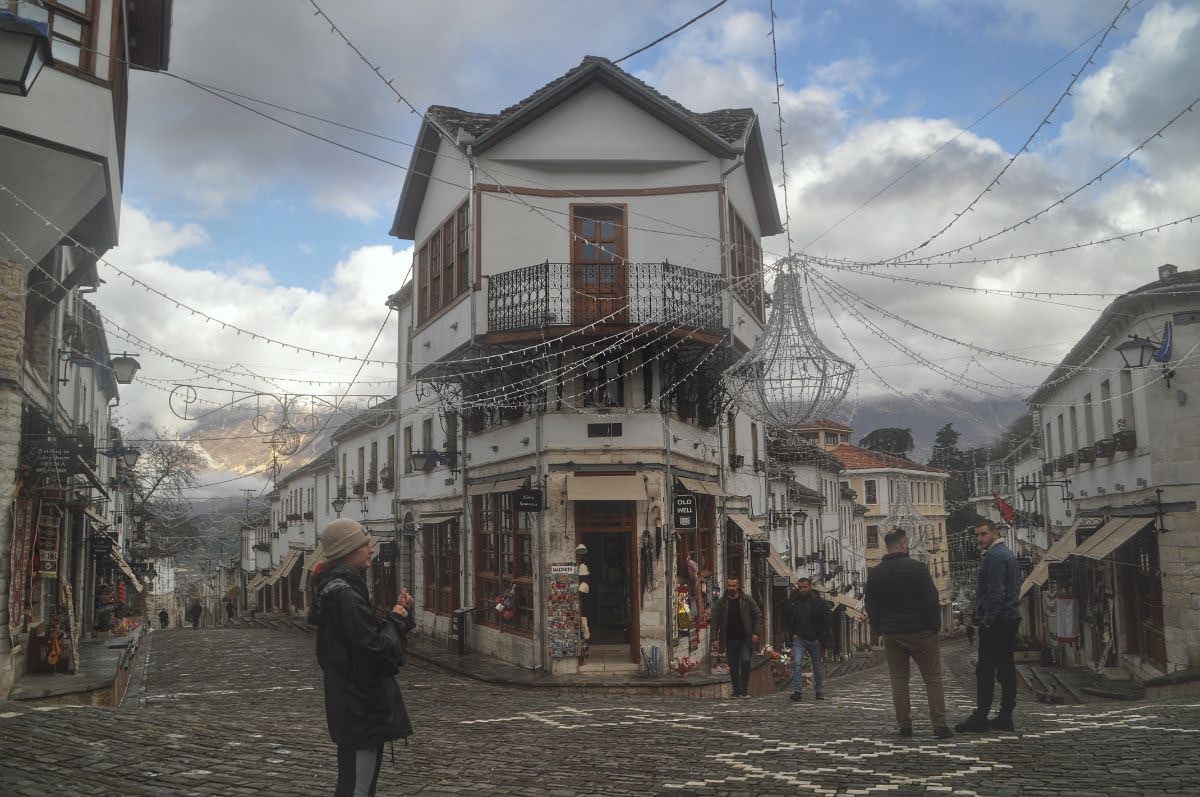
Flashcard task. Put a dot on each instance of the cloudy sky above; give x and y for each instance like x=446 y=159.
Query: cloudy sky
x=278 y=233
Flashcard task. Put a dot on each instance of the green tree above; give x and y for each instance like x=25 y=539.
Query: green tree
x=889 y=440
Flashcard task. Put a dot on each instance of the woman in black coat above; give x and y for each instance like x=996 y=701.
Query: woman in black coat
x=360 y=656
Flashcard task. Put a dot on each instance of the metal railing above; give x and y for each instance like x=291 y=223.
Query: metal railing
x=576 y=294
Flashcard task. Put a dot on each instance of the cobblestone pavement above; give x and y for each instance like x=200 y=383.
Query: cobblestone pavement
x=239 y=713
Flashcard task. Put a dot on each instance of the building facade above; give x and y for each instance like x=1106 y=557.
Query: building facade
x=1120 y=437
x=567 y=348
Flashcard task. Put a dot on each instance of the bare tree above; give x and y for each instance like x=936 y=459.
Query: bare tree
x=160 y=483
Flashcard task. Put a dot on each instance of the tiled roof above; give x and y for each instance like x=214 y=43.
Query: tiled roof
x=800 y=492
x=855 y=458
x=729 y=124
x=795 y=451
x=322 y=462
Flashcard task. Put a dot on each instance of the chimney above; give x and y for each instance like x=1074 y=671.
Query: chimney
x=1166 y=271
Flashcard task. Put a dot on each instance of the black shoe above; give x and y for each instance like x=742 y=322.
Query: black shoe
x=797 y=697
x=972 y=724
x=943 y=732
x=1001 y=722
x=906 y=733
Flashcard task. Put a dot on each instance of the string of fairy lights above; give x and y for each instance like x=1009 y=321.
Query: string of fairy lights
x=524 y=390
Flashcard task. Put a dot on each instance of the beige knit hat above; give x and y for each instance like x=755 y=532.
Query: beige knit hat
x=342 y=537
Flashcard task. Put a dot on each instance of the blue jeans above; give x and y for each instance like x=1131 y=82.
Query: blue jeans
x=813 y=648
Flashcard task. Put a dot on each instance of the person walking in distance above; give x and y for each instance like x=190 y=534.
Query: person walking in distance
x=997 y=613
x=902 y=604
x=737 y=621
x=164 y=619
x=194 y=611
x=806 y=616
x=359 y=655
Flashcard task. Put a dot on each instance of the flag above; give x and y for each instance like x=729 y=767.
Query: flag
x=1007 y=513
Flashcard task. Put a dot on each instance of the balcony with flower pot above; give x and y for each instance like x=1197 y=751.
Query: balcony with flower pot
x=1106 y=448
x=1125 y=440
x=1068 y=461
x=1048 y=468
x=1086 y=455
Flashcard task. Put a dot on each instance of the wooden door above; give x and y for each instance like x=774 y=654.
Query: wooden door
x=615 y=523
x=598 y=272
x=1155 y=647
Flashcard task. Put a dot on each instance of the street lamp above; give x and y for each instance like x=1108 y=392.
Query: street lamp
x=1137 y=352
x=1029 y=490
x=24 y=49
x=338 y=505
x=128 y=455
x=124 y=368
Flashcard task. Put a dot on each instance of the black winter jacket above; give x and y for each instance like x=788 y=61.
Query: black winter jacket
x=360 y=656
x=808 y=618
x=901 y=597
x=752 y=619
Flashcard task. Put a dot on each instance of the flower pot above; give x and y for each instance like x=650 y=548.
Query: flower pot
x=1125 y=440
x=1086 y=455
x=1106 y=448
x=1048 y=469
x=1068 y=461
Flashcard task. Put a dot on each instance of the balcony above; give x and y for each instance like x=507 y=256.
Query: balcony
x=572 y=295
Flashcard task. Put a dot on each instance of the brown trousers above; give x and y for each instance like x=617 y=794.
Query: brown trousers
x=923 y=649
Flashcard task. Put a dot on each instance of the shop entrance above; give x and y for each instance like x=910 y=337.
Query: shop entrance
x=607 y=529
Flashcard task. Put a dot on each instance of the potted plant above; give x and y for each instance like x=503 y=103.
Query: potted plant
x=1086 y=455
x=385 y=478
x=736 y=461
x=1106 y=448
x=359 y=489
x=1068 y=461
x=1048 y=469
x=475 y=418
x=1124 y=439
x=512 y=413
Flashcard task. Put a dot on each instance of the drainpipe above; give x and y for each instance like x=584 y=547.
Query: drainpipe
x=541 y=543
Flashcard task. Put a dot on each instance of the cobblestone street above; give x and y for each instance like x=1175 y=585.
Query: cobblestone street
x=240 y=712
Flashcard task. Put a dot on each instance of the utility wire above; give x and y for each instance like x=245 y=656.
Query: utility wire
x=669 y=34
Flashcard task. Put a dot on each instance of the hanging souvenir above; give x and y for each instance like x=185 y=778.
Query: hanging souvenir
x=683 y=616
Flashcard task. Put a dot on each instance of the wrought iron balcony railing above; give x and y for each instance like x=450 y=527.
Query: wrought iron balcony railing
x=579 y=294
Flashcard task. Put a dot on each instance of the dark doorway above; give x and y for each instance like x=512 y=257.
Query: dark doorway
x=613 y=612
x=609 y=605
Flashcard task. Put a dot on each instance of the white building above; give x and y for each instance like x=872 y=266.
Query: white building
x=1120 y=432
x=605 y=409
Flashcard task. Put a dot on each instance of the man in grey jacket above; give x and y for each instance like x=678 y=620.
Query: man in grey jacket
x=997 y=614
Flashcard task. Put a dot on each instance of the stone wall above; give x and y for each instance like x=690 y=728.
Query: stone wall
x=1179 y=560
x=12 y=337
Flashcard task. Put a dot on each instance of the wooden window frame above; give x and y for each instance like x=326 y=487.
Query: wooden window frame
x=504 y=558
x=746 y=263
x=443 y=264
x=88 y=20
x=408 y=449
x=442 y=557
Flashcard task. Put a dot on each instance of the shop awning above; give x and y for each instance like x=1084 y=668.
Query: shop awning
x=98 y=521
x=498 y=486
x=313 y=558
x=606 y=488
x=284 y=567
x=124 y=567
x=702 y=488
x=747 y=525
x=1111 y=536
x=255 y=583
x=436 y=518
x=90 y=474
x=1059 y=552
x=779 y=566
x=851 y=606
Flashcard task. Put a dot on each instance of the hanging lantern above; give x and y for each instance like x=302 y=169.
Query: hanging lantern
x=790 y=377
x=904 y=515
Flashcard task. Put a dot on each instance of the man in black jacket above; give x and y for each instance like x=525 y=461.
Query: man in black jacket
x=902 y=603
x=360 y=656
x=806 y=616
x=736 y=623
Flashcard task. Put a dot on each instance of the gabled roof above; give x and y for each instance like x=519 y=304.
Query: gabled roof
x=794 y=451
x=824 y=424
x=855 y=458
x=725 y=133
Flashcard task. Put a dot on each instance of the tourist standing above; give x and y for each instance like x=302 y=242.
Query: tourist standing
x=997 y=613
x=902 y=604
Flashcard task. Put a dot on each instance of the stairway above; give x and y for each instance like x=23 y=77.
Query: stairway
x=608 y=660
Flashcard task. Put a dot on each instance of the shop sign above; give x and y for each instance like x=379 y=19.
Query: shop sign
x=529 y=499
x=562 y=611
x=1025 y=563
x=1060 y=572
x=685 y=511
x=562 y=570
x=1086 y=528
x=52 y=461
x=760 y=548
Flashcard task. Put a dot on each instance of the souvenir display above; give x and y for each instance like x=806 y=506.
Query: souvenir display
x=563 y=620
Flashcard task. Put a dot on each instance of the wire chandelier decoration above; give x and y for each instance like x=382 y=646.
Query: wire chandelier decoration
x=903 y=514
x=790 y=377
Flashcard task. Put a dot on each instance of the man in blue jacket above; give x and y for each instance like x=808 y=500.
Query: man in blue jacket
x=997 y=615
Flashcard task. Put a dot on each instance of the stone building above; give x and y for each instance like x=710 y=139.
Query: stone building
x=1120 y=439
x=566 y=361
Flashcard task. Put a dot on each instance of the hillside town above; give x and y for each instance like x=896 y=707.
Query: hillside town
x=602 y=447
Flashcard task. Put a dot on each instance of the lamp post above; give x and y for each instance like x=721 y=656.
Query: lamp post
x=1029 y=490
x=338 y=505
x=124 y=368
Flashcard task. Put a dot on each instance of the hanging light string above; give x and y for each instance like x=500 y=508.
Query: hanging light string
x=861 y=265
x=1126 y=158
x=787 y=213
x=978 y=120
x=1025 y=146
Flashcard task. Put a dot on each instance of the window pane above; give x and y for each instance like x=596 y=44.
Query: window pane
x=65 y=26
x=74 y=5
x=607 y=274
x=67 y=53
x=587 y=228
x=30 y=11
x=589 y=252
x=608 y=230
x=608 y=253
